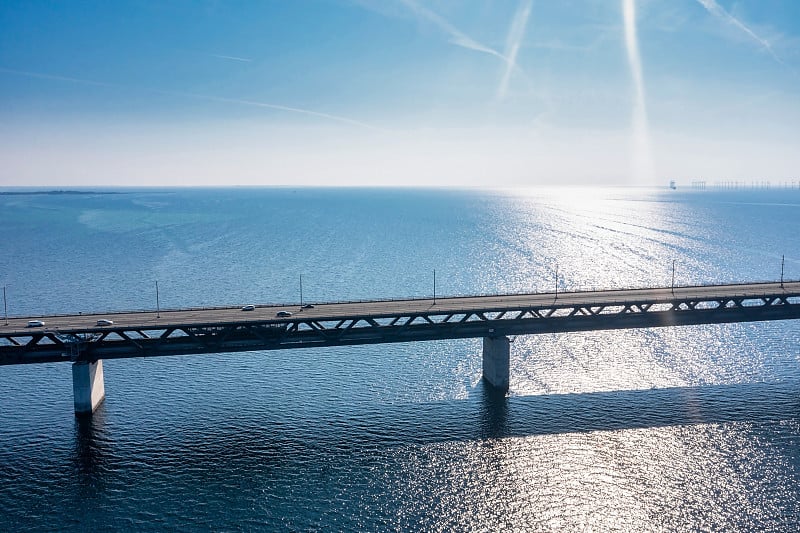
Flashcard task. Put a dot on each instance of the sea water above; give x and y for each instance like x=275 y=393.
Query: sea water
x=694 y=427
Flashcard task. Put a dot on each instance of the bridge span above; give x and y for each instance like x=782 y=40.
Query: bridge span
x=81 y=339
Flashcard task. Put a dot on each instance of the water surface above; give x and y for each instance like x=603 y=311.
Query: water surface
x=694 y=427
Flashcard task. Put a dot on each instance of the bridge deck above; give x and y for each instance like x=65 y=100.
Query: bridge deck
x=389 y=308
x=133 y=334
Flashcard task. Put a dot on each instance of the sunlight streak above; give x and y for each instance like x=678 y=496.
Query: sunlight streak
x=643 y=171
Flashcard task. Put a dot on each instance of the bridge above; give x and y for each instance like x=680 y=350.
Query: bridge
x=86 y=339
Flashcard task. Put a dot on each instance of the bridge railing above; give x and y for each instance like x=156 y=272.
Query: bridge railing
x=406 y=299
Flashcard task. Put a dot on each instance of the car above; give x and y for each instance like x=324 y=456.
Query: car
x=249 y=308
x=35 y=323
x=105 y=322
x=308 y=306
x=283 y=314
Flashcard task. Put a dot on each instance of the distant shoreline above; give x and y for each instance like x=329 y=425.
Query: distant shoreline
x=19 y=193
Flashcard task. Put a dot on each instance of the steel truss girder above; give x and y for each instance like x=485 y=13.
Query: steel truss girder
x=436 y=324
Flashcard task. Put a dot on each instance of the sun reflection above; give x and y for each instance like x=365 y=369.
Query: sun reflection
x=597 y=238
x=671 y=478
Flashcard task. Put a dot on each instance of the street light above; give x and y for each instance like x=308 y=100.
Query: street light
x=673 y=277
x=434 y=286
x=556 y=279
x=158 y=304
x=783 y=260
x=5 y=306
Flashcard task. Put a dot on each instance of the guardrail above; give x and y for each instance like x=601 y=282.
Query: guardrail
x=401 y=299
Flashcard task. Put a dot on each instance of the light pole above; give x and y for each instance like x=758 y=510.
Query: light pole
x=158 y=304
x=5 y=306
x=783 y=260
x=673 y=278
x=434 y=286
x=301 y=291
x=556 y=279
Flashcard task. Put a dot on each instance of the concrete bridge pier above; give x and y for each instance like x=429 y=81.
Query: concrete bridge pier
x=88 y=387
x=496 y=357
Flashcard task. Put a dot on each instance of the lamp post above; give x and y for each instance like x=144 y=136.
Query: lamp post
x=556 y=279
x=434 y=286
x=673 y=278
x=783 y=260
x=5 y=306
x=301 y=291
x=158 y=304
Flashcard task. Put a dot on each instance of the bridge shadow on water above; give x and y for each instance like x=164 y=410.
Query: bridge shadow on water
x=638 y=409
x=499 y=416
x=257 y=441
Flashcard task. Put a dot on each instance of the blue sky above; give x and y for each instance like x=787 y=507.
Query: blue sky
x=398 y=92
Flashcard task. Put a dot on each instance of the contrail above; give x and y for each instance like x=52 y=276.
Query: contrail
x=515 y=35
x=43 y=76
x=457 y=37
x=232 y=58
x=278 y=107
x=335 y=118
x=718 y=11
x=642 y=156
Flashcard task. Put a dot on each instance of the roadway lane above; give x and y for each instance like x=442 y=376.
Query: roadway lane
x=377 y=309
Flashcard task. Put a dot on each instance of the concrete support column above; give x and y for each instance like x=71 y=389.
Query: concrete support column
x=88 y=388
x=496 y=356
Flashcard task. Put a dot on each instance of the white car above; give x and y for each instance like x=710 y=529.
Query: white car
x=35 y=323
x=249 y=308
x=105 y=322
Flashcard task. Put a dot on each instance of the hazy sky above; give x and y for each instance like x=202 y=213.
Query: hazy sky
x=398 y=92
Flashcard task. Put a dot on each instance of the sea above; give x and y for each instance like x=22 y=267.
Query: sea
x=692 y=428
